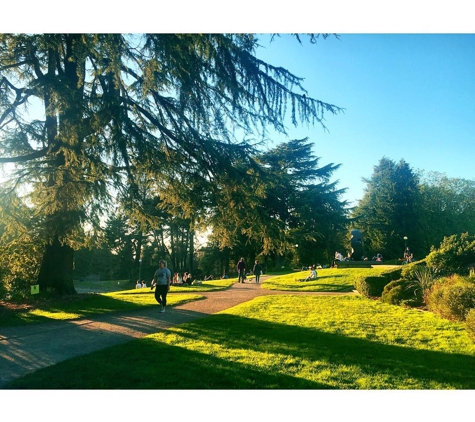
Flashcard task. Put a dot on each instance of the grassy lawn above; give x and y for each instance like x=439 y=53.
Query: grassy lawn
x=328 y=280
x=86 y=305
x=283 y=342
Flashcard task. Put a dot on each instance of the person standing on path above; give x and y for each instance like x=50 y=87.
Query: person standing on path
x=257 y=270
x=241 y=269
x=161 y=281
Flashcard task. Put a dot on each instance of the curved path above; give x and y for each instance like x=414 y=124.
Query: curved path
x=29 y=348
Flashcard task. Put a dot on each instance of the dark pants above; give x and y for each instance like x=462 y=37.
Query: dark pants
x=161 y=294
x=241 y=276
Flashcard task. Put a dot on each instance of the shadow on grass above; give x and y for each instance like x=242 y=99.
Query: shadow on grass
x=152 y=364
x=85 y=306
x=404 y=365
x=157 y=366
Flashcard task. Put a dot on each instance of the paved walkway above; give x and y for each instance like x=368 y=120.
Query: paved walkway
x=29 y=348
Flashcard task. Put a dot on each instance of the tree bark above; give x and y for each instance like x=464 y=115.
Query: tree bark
x=56 y=271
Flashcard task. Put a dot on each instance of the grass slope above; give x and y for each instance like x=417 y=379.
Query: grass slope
x=283 y=342
x=87 y=305
x=328 y=280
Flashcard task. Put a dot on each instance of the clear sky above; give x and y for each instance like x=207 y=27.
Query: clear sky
x=404 y=73
x=406 y=96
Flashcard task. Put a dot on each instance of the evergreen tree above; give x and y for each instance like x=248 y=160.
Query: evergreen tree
x=117 y=109
x=291 y=201
x=389 y=210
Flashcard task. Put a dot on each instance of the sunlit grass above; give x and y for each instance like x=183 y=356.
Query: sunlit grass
x=87 y=305
x=328 y=280
x=283 y=342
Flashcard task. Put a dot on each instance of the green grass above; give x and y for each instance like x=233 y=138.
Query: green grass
x=328 y=280
x=283 y=342
x=87 y=305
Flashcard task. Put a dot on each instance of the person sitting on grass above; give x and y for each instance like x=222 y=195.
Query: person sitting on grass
x=138 y=285
x=312 y=275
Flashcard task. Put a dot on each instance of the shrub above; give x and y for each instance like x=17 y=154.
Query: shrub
x=454 y=255
x=370 y=286
x=470 y=324
x=399 y=292
x=408 y=272
x=452 y=297
x=394 y=274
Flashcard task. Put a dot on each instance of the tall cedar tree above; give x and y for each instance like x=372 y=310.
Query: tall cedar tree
x=116 y=109
x=293 y=202
x=389 y=210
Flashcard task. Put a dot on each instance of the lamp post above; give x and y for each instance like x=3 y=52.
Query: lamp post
x=405 y=242
x=140 y=269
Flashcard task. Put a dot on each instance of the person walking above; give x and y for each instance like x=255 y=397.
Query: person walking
x=161 y=281
x=257 y=270
x=241 y=269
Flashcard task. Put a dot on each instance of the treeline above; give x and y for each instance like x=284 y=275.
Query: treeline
x=400 y=203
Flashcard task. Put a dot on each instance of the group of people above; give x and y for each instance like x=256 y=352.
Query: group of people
x=186 y=279
x=241 y=270
x=140 y=285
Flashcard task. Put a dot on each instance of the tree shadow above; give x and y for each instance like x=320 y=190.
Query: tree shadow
x=373 y=358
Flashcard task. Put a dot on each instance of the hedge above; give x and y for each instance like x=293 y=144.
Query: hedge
x=371 y=286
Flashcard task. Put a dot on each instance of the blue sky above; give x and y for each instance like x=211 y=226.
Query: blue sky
x=403 y=72
x=406 y=96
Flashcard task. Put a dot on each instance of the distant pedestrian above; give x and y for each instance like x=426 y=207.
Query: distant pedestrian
x=257 y=270
x=241 y=269
x=161 y=280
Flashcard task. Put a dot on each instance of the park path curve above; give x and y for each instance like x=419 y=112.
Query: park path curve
x=29 y=348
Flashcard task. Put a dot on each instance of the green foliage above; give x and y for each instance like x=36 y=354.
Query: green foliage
x=470 y=323
x=399 y=292
x=452 y=297
x=425 y=278
x=370 y=286
x=388 y=210
x=408 y=272
x=121 y=112
x=392 y=274
x=454 y=255
x=447 y=207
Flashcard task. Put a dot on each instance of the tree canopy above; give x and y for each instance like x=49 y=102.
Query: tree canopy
x=87 y=118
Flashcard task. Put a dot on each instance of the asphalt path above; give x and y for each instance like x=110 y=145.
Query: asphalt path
x=29 y=348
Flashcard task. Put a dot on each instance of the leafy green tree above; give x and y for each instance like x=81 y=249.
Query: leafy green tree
x=447 y=207
x=389 y=210
x=117 y=109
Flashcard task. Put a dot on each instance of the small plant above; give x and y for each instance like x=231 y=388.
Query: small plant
x=425 y=277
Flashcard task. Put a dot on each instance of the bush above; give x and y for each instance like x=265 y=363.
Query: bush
x=452 y=298
x=470 y=324
x=394 y=274
x=408 y=272
x=454 y=255
x=401 y=291
x=371 y=286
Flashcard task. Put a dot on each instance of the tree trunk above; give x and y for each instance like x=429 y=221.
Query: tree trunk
x=56 y=271
x=192 y=250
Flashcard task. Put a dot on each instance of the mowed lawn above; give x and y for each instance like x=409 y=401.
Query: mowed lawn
x=283 y=342
x=87 y=305
x=328 y=280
